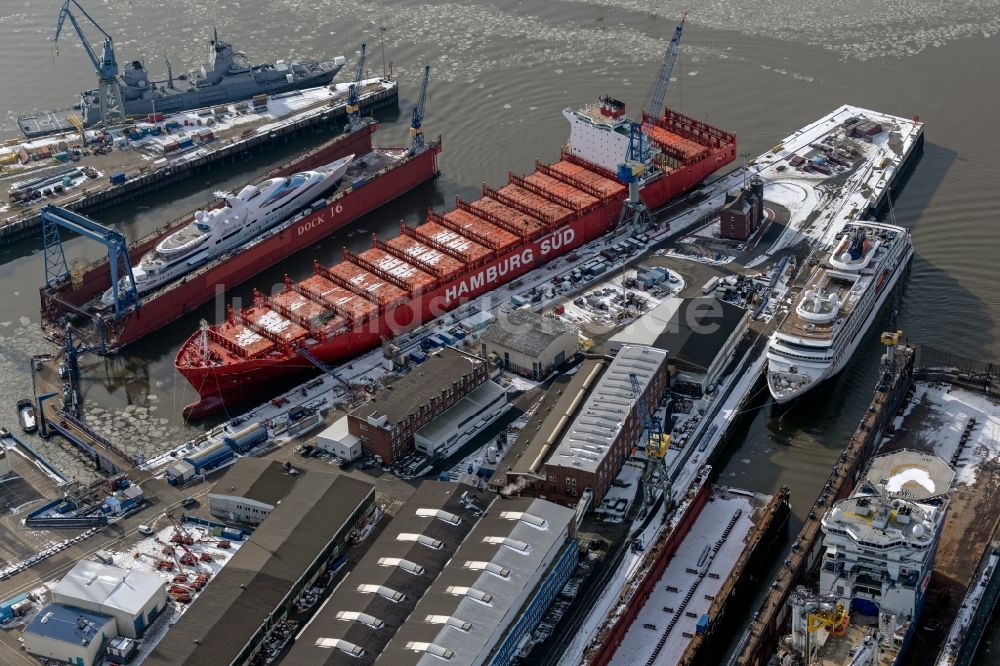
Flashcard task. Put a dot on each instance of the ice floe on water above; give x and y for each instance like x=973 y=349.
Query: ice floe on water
x=137 y=427
x=858 y=29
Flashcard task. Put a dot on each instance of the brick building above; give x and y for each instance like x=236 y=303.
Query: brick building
x=586 y=428
x=743 y=212
x=386 y=423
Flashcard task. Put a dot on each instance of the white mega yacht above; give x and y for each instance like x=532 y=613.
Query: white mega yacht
x=243 y=218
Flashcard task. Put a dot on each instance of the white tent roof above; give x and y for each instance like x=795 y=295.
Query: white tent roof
x=127 y=591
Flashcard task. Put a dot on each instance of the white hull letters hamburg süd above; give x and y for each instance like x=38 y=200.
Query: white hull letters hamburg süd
x=836 y=308
x=243 y=218
x=510 y=264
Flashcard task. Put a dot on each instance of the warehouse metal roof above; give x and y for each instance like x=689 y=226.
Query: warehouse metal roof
x=225 y=617
x=692 y=330
x=554 y=413
x=598 y=422
x=525 y=331
x=467 y=611
x=380 y=592
x=256 y=479
x=459 y=416
x=68 y=624
x=405 y=396
x=121 y=589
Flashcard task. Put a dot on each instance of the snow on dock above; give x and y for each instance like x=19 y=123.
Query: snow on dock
x=689 y=584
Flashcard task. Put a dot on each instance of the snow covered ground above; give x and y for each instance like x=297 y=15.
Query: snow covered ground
x=949 y=412
x=622 y=493
x=667 y=599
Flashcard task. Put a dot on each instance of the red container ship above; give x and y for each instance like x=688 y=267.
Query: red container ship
x=376 y=176
x=348 y=308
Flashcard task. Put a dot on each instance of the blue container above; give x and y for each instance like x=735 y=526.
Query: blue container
x=702 y=624
x=418 y=357
x=232 y=535
x=210 y=457
x=117 y=178
x=185 y=143
x=7 y=606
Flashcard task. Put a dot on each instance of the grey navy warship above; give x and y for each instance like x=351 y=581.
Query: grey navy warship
x=227 y=77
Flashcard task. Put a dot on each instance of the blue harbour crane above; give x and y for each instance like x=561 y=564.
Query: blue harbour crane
x=126 y=296
x=106 y=65
x=634 y=212
x=353 y=103
x=417 y=119
x=652 y=428
x=659 y=96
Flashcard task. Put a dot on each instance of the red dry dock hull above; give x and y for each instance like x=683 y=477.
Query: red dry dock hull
x=238 y=382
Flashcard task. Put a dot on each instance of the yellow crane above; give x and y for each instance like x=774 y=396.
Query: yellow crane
x=834 y=620
x=77 y=122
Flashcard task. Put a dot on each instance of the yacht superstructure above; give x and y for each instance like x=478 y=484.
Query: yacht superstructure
x=880 y=545
x=242 y=218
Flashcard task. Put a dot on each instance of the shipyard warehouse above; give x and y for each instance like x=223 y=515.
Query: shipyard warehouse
x=296 y=544
x=458 y=575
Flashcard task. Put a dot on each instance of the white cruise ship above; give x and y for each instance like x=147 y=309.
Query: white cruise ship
x=836 y=307
x=243 y=218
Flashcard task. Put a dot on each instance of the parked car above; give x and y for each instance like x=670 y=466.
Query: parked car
x=145 y=529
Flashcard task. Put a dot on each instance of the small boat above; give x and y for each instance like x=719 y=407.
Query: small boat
x=26 y=414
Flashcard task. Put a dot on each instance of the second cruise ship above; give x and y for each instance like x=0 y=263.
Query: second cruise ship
x=836 y=307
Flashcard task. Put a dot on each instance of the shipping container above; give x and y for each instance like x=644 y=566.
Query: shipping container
x=155 y=118
x=518 y=300
x=418 y=357
x=710 y=286
x=117 y=178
